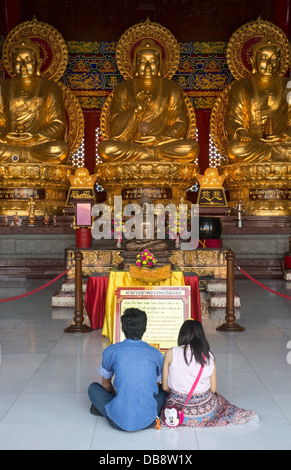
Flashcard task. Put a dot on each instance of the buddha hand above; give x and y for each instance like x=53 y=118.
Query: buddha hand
x=143 y=101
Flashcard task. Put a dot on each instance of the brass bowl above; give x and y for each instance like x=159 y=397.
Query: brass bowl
x=150 y=275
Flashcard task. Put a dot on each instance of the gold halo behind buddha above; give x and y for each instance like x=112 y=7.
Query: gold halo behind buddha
x=43 y=34
x=157 y=33
x=240 y=45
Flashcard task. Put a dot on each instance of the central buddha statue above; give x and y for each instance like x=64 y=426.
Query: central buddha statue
x=32 y=113
x=145 y=242
x=258 y=119
x=148 y=115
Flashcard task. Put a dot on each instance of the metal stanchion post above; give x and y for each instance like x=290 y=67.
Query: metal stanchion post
x=230 y=324
x=78 y=326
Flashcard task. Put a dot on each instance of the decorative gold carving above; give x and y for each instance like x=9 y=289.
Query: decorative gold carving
x=211 y=191
x=177 y=258
x=82 y=179
x=75 y=119
x=204 y=263
x=116 y=176
x=217 y=124
x=211 y=179
x=105 y=118
x=208 y=258
x=116 y=258
x=240 y=178
x=53 y=178
x=94 y=261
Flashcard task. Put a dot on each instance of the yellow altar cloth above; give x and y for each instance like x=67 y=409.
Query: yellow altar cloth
x=123 y=279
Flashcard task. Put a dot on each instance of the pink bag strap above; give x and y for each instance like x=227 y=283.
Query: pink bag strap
x=194 y=385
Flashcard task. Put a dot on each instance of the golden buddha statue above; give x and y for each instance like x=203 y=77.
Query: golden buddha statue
x=258 y=119
x=41 y=120
x=31 y=210
x=250 y=121
x=32 y=113
x=149 y=118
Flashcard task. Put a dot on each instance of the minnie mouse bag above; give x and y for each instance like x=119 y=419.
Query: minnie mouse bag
x=171 y=415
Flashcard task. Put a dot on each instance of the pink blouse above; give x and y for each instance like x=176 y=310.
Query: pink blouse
x=181 y=376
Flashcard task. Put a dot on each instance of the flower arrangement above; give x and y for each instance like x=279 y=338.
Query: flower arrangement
x=117 y=225
x=145 y=259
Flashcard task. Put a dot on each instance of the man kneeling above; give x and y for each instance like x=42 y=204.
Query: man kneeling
x=136 y=399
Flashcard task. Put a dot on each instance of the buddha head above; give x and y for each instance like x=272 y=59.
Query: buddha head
x=147 y=59
x=266 y=57
x=26 y=60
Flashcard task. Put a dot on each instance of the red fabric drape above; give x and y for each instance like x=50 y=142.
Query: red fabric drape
x=95 y=298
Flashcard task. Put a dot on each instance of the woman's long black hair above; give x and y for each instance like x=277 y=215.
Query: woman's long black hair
x=192 y=334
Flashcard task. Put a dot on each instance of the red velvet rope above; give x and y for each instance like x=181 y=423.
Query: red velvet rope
x=36 y=290
x=262 y=285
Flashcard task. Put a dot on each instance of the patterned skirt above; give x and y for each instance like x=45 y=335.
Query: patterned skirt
x=205 y=410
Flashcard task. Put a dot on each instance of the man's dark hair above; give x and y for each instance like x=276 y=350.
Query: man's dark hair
x=134 y=323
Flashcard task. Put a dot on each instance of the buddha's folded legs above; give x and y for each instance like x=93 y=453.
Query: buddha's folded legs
x=54 y=151
x=256 y=151
x=252 y=151
x=281 y=152
x=184 y=150
x=118 y=150
x=177 y=150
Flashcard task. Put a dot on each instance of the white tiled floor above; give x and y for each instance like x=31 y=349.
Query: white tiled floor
x=45 y=373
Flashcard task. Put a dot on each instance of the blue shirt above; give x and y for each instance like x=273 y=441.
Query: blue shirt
x=137 y=368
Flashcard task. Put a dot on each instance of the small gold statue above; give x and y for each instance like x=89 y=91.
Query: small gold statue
x=32 y=114
x=31 y=211
x=258 y=119
x=149 y=118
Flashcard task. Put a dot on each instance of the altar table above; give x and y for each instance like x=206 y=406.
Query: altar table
x=100 y=296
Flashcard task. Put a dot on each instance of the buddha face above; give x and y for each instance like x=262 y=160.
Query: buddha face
x=24 y=62
x=147 y=64
x=267 y=61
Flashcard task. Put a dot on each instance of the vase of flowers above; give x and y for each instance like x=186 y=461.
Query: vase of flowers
x=145 y=259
